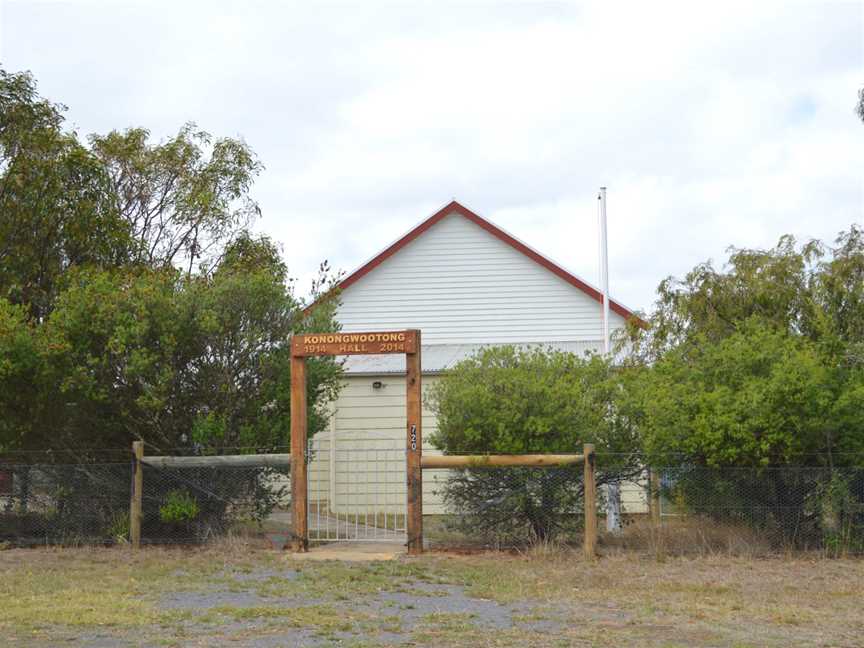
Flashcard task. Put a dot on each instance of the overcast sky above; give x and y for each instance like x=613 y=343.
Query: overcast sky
x=711 y=125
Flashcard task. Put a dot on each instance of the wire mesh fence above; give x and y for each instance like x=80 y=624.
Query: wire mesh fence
x=699 y=509
x=786 y=508
x=503 y=506
x=46 y=499
x=182 y=505
x=63 y=503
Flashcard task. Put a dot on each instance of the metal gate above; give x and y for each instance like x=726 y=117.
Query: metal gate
x=357 y=490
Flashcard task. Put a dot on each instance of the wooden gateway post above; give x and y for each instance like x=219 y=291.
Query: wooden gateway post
x=329 y=344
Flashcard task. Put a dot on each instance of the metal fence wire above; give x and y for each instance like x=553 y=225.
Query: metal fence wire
x=66 y=504
x=784 y=507
x=195 y=505
x=503 y=506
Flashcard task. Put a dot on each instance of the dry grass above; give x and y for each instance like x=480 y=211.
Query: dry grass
x=95 y=587
x=628 y=600
x=622 y=599
x=677 y=536
x=688 y=536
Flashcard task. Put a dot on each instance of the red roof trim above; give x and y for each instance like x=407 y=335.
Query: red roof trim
x=402 y=242
x=455 y=207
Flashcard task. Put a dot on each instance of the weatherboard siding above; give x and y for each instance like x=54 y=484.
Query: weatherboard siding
x=376 y=419
x=459 y=284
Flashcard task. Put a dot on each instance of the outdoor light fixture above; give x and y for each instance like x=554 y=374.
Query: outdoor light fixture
x=377 y=384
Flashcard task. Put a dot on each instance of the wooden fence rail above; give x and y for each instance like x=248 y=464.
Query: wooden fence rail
x=221 y=461
x=479 y=461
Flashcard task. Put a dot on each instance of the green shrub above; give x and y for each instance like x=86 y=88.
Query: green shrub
x=179 y=506
x=516 y=400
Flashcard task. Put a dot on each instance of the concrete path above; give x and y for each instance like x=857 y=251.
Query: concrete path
x=352 y=552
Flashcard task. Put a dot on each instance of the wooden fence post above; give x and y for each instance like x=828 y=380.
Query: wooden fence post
x=137 y=494
x=590 y=497
x=299 y=502
x=414 y=454
x=654 y=496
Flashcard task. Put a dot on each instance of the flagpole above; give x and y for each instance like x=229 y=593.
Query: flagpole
x=604 y=269
x=613 y=493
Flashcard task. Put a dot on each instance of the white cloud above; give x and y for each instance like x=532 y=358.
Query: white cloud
x=712 y=126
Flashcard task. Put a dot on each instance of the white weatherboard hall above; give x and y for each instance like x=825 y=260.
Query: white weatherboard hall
x=465 y=283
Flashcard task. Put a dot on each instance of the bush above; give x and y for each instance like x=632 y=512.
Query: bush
x=179 y=507
x=756 y=371
x=510 y=400
x=509 y=506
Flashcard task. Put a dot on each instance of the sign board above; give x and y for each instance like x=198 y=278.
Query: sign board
x=316 y=344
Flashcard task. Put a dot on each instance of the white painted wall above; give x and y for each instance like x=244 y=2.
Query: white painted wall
x=460 y=284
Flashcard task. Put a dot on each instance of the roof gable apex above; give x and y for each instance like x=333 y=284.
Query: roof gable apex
x=455 y=207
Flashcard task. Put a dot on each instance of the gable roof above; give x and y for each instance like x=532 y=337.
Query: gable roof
x=456 y=208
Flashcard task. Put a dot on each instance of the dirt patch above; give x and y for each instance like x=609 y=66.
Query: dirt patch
x=394 y=615
x=220 y=599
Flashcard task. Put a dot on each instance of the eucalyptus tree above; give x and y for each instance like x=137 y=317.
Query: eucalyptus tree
x=756 y=370
x=56 y=207
x=134 y=303
x=183 y=198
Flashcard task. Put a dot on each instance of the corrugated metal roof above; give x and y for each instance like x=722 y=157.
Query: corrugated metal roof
x=440 y=357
